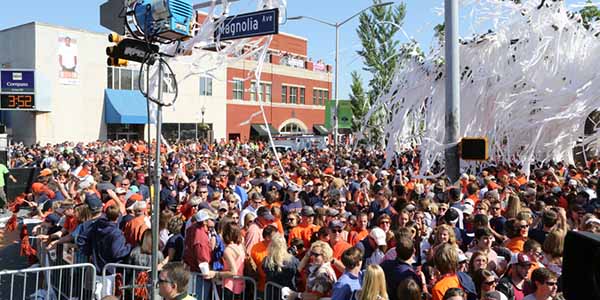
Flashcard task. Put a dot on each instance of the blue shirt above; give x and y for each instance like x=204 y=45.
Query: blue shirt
x=346 y=286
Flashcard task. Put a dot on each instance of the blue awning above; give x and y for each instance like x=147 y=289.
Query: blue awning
x=124 y=107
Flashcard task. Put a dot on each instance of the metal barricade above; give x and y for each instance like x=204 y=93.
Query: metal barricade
x=273 y=291
x=203 y=289
x=56 y=282
x=122 y=280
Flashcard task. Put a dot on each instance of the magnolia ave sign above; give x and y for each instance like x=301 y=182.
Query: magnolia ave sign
x=256 y=23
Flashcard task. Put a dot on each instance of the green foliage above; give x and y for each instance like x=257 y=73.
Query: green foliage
x=589 y=14
x=381 y=55
x=358 y=100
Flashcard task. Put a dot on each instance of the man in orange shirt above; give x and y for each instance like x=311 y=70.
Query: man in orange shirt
x=258 y=254
x=338 y=245
x=306 y=228
x=359 y=232
x=134 y=229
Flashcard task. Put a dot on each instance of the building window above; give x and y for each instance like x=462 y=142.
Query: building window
x=293 y=94
x=205 y=86
x=321 y=102
x=174 y=132
x=302 y=92
x=122 y=78
x=126 y=78
x=283 y=94
x=315 y=97
x=325 y=96
x=267 y=92
x=291 y=128
x=253 y=91
x=238 y=89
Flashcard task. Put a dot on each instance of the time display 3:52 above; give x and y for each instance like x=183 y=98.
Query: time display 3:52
x=17 y=101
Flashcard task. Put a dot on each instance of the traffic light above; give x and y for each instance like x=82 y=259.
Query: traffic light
x=473 y=148
x=114 y=55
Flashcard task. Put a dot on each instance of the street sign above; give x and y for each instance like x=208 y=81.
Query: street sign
x=263 y=22
x=17 y=81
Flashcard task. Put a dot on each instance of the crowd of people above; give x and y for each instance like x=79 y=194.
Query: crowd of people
x=324 y=223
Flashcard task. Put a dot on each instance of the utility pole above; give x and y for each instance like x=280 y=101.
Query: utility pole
x=452 y=119
x=157 y=175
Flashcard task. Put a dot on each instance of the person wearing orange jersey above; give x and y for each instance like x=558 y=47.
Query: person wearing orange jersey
x=306 y=228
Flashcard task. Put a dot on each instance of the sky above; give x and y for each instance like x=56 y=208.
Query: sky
x=421 y=17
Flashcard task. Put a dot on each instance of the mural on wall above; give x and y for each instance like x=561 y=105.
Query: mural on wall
x=68 y=72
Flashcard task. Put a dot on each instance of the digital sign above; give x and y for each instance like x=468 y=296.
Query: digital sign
x=17 y=101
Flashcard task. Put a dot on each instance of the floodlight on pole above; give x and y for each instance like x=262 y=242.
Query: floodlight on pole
x=337 y=44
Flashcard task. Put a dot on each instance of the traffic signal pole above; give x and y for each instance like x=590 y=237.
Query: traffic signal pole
x=452 y=118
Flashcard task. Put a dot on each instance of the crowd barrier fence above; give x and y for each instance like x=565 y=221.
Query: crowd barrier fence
x=125 y=281
x=50 y=283
x=203 y=289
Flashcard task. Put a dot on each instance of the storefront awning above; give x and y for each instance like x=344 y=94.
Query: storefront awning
x=261 y=130
x=124 y=107
x=320 y=129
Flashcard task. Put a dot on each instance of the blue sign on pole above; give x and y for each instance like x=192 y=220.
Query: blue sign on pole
x=17 y=81
x=256 y=23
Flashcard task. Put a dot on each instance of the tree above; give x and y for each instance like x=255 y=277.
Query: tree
x=589 y=14
x=381 y=54
x=358 y=100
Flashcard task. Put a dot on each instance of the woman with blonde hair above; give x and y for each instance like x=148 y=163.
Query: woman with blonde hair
x=374 y=286
x=321 y=275
x=280 y=266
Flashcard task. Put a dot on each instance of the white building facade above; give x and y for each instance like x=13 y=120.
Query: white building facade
x=79 y=98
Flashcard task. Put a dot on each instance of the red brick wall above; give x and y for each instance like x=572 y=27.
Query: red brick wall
x=276 y=82
x=237 y=114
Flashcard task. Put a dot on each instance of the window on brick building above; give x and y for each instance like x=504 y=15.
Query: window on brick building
x=325 y=96
x=283 y=94
x=267 y=92
x=293 y=94
x=315 y=100
x=302 y=92
x=238 y=89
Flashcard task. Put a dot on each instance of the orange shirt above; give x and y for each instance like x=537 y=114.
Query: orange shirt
x=356 y=236
x=70 y=223
x=515 y=245
x=258 y=254
x=338 y=250
x=303 y=232
x=440 y=287
x=134 y=230
x=279 y=225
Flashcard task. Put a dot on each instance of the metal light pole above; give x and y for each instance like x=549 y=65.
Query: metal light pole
x=337 y=43
x=452 y=119
x=157 y=175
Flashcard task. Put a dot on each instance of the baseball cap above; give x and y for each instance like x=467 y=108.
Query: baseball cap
x=52 y=219
x=335 y=223
x=45 y=172
x=468 y=209
x=451 y=215
x=332 y=212
x=307 y=211
x=202 y=215
x=379 y=236
x=521 y=259
x=140 y=205
x=265 y=213
x=93 y=202
x=292 y=187
x=494 y=295
x=223 y=206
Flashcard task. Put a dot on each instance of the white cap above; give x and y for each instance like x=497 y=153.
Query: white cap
x=573 y=182
x=379 y=236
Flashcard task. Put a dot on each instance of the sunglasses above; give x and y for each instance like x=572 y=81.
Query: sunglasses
x=233 y=201
x=337 y=230
x=315 y=254
x=163 y=281
x=384 y=222
x=524 y=226
x=550 y=283
x=492 y=282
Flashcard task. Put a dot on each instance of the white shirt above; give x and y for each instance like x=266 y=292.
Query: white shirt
x=68 y=55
